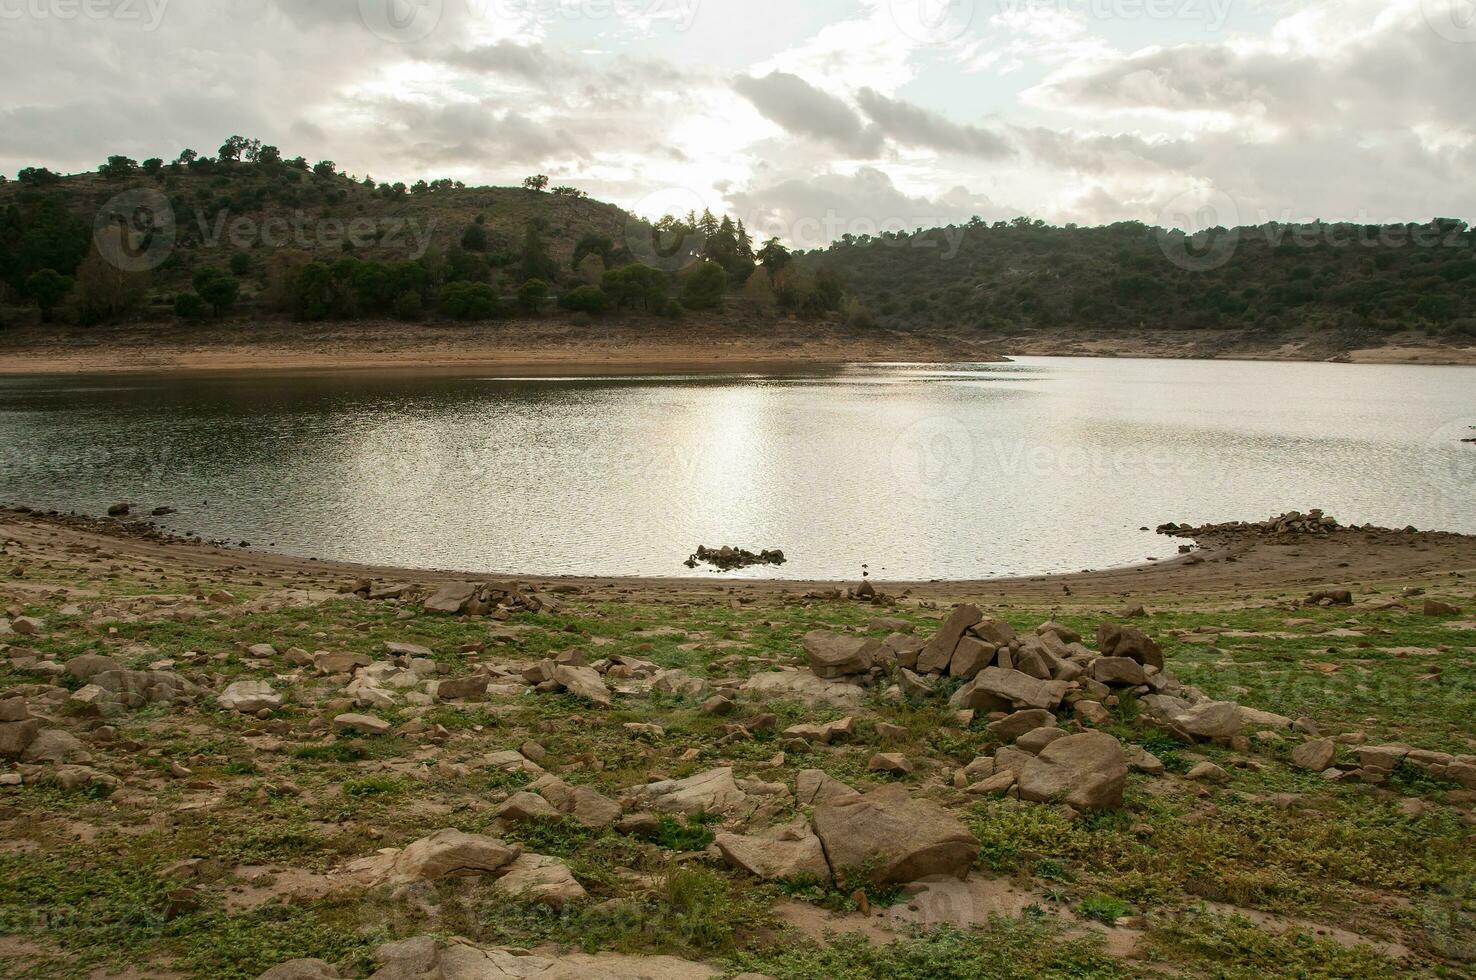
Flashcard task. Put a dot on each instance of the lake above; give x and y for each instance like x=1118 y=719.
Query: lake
x=917 y=471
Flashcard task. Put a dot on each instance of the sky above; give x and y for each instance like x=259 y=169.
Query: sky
x=806 y=118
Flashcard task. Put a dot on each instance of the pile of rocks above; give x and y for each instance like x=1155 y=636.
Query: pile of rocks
x=1291 y=523
x=727 y=558
x=1376 y=763
x=498 y=601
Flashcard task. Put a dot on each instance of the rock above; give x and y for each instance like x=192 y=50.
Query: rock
x=461 y=688
x=1086 y=771
x=407 y=649
x=893 y=838
x=997 y=632
x=119 y=509
x=80 y=777
x=1256 y=718
x=1092 y=713
x=584 y=682
x=339 y=663
x=1208 y=772
x=1433 y=607
x=718 y=705
x=1116 y=640
x=1141 y=760
x=823 y=734
x=1212 y=720
x=1119 y=671
x=26 y=625
x=832 y=655
x=1063 y=633
x=54 y=745
x=1037 y=740
x=451 y=853
x=915 y=685
x=361 y=724
x=714 y=791
x=249 y=697
x=802 y=685
x=542 y=879
x=677 y=682
x=301 y=970
x=938 y=653
x=262 y=651
x=17 y=736
x=14 y=709
x=893 y=763
x=523 y=807
x=89 y=665
x=792 y=854
x=904 y=649
x=995 y=686
x=1331 y=597
x=813 y=787
x=1012 y=727
x=452 y=599
x=971 y=656
x=995 y=785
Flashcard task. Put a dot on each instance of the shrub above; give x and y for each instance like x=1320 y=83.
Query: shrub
x=585 y=299
x=408 y=306
x=190 y=306
x=240 y=264
x=531 y=295
x=704 y=287
x=469 y=301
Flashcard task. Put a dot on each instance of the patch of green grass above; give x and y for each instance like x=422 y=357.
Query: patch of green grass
x=1235 y=949
x=373 y=786
x=1103 y=908
x=693 y=834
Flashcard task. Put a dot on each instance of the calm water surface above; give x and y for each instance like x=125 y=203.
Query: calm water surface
x=935 y=471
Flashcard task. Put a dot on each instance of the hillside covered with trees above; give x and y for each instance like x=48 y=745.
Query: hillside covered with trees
x=247 y=232
x=1358 y=283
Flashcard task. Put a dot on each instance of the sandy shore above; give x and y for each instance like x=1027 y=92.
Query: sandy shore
x=1224 y=567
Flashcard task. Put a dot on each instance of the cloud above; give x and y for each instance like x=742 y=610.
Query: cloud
x=799 y=108
x=908 y=124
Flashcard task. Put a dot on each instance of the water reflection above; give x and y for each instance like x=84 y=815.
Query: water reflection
x=922 y=472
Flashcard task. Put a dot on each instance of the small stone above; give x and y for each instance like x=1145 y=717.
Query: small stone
x=893 y=763
x=361 y=724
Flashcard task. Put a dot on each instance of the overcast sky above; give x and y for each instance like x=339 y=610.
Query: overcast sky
x=810 y=117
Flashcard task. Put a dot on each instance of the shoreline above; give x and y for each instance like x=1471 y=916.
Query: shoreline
x=551 y=348
x=1224 y=563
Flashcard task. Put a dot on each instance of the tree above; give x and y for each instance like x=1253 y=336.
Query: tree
x=585 y=299
x=531 y=296
x=325 y=168
x=704 y=287
x=106 y=292
x=775 y=258
x=474 y=239
x=536 y=183
x=269 y=155
x=153 y=166
x=187 y=157
x=565 y=191
x=592 y=244
x=469 y=300
x=36 y=177
x=218 y=288
x=190 y=306
x=47 y=287
x=240 y=264
x=637 y=285
x=535 y=261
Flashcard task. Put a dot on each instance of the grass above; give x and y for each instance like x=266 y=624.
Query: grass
x=84 y=882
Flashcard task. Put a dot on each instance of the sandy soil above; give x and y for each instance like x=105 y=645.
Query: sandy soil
x=726 y=342
x=532 y=346
x=1225 y=568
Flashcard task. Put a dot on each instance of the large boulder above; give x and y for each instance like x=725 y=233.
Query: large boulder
x=714 y=791
x=1119 y=671
x=453 y=854
x=1116 y=640
x=89 y=665
x=452 y=599
x=1085 y=771
x=584 y=682
x=938 y=654
x=832 y=655
x=1316 y=755
x=247 y=697
x=815 y=787
x=584 y=804
x=997 y=688
x=17 y=736
x=801 y=685
x=787 y=854
x=1211 y=720
x=542 y=879
x=893 y=838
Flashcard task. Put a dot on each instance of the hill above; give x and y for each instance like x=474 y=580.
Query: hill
x=1335 y=286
